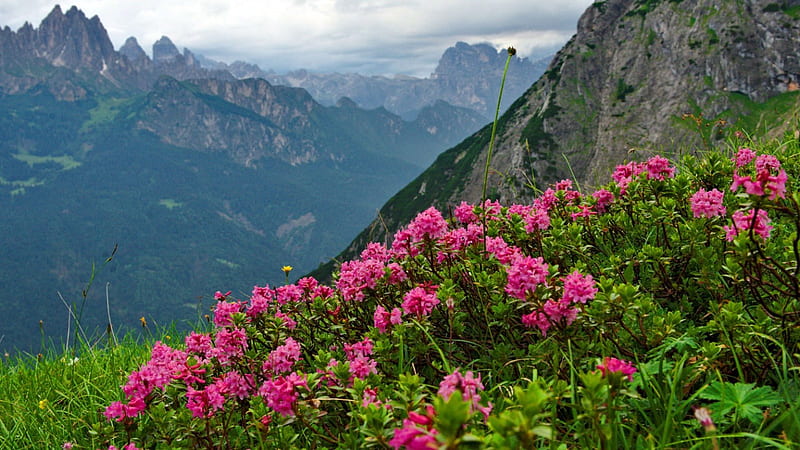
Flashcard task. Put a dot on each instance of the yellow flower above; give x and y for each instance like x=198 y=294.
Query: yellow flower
x=143 y=321
x=43 y=403
x=287 y=269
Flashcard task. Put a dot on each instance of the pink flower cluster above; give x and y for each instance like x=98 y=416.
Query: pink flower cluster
x=769 y=177
x=524 y=275
x=578 y=288
x=745 y=221
x=165 y=365
x=420 y=300
x=358 y=354
x=383 y=318
x=657 y=168
x=614 y=365
x=282 y=358
x=707 y=203
x=469 y=386
x=280 y=393
x=417 y=433
x=427 y=225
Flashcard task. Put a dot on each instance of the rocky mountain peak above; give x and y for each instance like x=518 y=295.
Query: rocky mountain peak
x=466 y=59
x=132 y=50
x=73 y=41
x=164 y=51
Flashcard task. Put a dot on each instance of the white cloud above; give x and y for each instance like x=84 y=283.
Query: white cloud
x=370 y=36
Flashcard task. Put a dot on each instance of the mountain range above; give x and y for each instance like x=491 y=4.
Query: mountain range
x=204 y=179
x=199 y=180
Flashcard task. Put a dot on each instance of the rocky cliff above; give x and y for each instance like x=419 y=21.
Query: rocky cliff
x=639 y=77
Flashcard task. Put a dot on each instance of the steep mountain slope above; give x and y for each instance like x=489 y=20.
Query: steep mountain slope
x=638 y=77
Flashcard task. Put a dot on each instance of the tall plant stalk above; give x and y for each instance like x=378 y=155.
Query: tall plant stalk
x=511 y=52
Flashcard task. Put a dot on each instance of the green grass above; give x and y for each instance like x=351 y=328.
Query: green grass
x=65 y=161
x=47 y=400
x=169 y=203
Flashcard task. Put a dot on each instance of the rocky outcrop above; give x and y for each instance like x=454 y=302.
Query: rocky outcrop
x=624 y=84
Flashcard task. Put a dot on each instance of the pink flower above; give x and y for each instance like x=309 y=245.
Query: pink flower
x=288 y=322
x=586 y=211
x=362 y=366
x=536 y=219
x=571 y=197
x=537 y=319
x=703 y=415
x=658 y=168
x=707 y=203
x=357 y=276
x=282 y=358
x=492 y=209
x=376 y=251
x=260 y=300
x=288 y=293
x=420 y=301
x=469 y=386
x=624 y=174
x=428 y=224
x=465 y=213
x=743 y=157
x=604 y=199
x=769 y=178
x=383 y=318
x=280 y=393
x=323 y=291
x=743 y=222
x=614 y=365
x=560 y=310
x=396 y=317
x=223 y=311
x=198 y=343
x=501 y=250
x=230 y=345
x=236 y=385
x=578 y=288
x=546 y=201
x=524 y=275
x=220 y=296
x=396 y=273
x=563 y=185
x=417 y=432
x=204 y=402
x=362 y=348
x=520 y=210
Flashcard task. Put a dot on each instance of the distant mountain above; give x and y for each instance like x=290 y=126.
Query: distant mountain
x=639 y=77
x=202 y=180
x=467 y=76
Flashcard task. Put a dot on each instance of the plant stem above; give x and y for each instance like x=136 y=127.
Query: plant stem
x=511 y=53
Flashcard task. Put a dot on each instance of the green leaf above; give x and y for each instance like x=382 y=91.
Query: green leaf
x=744 y=399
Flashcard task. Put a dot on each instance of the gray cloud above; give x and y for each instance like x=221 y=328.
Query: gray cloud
x=368 y=36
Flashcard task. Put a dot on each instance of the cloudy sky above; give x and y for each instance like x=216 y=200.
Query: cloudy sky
x=366 y=36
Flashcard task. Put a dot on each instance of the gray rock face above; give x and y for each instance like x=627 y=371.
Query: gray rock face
x=164 y=51
x=132 y=50
x=620 y=89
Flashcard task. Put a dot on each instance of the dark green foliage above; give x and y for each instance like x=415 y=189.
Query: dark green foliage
x=623 y=89
x=77 y=178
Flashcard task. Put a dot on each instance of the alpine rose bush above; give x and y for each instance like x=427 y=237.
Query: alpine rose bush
x=485 y=330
